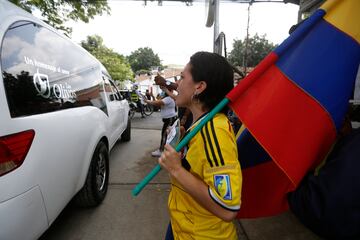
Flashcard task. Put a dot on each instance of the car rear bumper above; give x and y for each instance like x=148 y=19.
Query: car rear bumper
x=24 y=216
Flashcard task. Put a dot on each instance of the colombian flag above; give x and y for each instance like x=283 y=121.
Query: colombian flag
x=293 y=104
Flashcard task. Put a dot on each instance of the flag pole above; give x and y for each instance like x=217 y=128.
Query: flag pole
x=137 y=189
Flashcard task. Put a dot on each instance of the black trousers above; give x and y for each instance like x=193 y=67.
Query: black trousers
x=141 y=107
x=166 y=123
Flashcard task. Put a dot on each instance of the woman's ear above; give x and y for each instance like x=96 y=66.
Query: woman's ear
x=201 y=86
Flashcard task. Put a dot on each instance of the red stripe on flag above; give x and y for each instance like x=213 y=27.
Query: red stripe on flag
x=269 y=60
x=290 y=125
x=263 y=186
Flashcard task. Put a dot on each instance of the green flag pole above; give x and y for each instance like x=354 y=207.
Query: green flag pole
x=181 y=144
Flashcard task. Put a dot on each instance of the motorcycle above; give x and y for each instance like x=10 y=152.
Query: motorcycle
x=148 y=108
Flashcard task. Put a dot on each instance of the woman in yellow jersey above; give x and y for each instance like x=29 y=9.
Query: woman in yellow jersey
x=206 y=177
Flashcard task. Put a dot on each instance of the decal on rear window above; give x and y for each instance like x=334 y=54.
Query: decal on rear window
x=45 y=72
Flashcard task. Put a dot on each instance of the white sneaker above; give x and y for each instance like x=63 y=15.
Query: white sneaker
x=156 y=153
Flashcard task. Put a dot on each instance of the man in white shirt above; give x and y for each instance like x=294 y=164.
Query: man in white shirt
x=168 y=115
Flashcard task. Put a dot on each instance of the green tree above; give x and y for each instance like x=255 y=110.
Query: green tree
x=257 y=48
x=57 y=12
x=116 y=64
x=143 y=59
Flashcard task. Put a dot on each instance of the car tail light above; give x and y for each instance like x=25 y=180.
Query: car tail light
x=13 y=150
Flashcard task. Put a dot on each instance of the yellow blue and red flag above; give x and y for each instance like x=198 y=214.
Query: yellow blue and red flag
x=293 y=104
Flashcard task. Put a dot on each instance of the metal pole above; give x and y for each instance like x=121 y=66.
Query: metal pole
x=216 y=25
x=247 y=40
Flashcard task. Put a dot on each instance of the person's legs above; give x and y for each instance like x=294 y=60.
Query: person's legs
x=166 y=122
x=169 y=234
x=157 y=153
x=141 y=107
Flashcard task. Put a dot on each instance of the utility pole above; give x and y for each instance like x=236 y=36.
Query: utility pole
x=247 y=40
x=216 y=27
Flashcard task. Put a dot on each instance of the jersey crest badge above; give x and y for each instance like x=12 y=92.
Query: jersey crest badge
x=222 y=186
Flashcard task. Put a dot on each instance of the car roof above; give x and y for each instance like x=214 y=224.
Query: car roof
x=10 y=13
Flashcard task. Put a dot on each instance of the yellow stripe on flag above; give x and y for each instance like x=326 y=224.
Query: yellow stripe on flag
x=344 y=15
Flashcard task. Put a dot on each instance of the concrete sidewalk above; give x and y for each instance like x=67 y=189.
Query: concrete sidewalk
x=282 y=227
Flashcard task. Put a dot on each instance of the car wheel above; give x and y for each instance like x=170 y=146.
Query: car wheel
x=96 y=184
x=126 y=135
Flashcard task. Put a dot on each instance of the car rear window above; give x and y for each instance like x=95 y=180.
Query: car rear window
x=45 y=72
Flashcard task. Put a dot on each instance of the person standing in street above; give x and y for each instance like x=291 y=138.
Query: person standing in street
x=168 y=115
x=206 y=176
x=184 y=114
x=137 y=97
x=148 y=95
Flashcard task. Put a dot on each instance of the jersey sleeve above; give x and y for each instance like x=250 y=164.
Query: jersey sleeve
x=222 y=171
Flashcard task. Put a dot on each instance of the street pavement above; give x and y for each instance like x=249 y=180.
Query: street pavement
x=145 y=217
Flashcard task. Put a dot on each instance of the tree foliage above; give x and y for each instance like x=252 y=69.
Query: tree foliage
x=257 y=48
x=117 y=65
x=143 y=59
x=57 y=12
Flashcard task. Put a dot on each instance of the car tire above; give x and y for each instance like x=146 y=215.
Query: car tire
x=126 y=135
x=96 y=183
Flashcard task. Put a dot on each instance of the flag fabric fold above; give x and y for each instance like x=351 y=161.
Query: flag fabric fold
x=293 y=104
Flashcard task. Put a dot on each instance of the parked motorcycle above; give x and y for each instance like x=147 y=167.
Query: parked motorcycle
x=148 y=109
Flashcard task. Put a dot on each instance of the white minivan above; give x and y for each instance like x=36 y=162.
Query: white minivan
x=60 y=114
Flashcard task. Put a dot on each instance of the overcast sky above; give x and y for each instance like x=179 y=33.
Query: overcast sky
x=175 y=31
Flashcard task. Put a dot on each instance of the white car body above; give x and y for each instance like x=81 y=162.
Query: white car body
x=56 y=166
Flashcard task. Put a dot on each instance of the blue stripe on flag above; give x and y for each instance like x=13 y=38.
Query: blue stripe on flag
x=250 y=152
x=324 y=64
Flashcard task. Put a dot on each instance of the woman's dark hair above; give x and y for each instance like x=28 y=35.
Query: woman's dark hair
x=218 y=75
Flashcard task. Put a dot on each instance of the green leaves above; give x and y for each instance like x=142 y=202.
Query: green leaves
x=144 y=59
x=116 y=64
x=252 y=53
x=57 y=12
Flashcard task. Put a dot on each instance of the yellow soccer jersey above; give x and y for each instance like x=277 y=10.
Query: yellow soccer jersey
x=212 y=156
